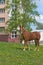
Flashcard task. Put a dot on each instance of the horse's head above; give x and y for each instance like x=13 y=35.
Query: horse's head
x=22 y=29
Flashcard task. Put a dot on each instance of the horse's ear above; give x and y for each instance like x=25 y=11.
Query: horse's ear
x=20 y=25
x=23 y=27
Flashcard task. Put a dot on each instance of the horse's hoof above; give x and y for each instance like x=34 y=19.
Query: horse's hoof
x=34 y=49
x=29 y=49
x=38 y=50
x=23 y=49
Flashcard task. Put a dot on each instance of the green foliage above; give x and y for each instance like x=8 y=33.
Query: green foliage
x=22 y=12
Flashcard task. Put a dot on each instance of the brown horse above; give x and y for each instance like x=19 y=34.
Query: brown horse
x=28 y=36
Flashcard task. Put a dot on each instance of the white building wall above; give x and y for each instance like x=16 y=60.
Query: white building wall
x=41 y=34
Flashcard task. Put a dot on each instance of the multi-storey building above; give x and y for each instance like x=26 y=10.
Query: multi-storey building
x=3 y=15
x=13 y=37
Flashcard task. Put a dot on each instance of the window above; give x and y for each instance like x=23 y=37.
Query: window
x=2 y=29
x=14 y=34
x=2 y=1
x=2 y=10
x=2 y=19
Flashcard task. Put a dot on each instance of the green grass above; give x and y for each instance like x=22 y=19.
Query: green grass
x=12 y=54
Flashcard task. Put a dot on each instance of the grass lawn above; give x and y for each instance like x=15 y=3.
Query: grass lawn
x=12 y=54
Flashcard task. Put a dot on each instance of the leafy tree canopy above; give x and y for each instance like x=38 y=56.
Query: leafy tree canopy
x=22 y=12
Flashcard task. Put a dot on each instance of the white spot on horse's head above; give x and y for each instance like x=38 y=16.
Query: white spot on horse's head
x=23 y=42
x=24 y=49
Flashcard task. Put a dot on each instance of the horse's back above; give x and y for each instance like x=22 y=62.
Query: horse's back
x=36 y=35
x=31 y=35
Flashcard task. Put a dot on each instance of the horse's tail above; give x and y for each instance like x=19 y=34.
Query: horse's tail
x=39 y=37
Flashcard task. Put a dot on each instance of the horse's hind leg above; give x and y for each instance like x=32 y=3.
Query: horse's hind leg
x=29 y=45
x=36 y=45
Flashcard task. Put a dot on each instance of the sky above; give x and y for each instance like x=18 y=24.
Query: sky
x=40 y=6
x=40 y=10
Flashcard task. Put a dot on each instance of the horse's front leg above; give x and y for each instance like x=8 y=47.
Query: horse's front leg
x=25 y=45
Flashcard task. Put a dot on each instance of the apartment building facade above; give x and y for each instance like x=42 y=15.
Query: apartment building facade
x=3 y=15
